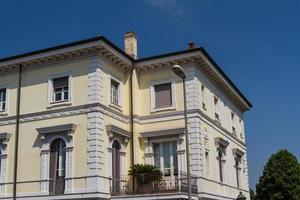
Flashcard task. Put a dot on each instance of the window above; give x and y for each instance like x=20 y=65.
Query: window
x=207 y=162
x=220 y=163
x=233 y=122
x=116 y=170
x=237 y=170
x=57 y=167
x=165 y=157
x=114 y=96
x=60 y=89
x=3 y=99
x=163 y=95
x=203 y=97
x=216 y=104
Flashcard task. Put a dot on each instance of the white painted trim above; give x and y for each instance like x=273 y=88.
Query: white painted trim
x=118 y=106
x=45 y=161
x=3 y=172
x=6 y=109
x=51 y=102
x=153 y=109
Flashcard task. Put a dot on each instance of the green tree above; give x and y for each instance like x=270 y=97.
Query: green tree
x=280 y=179
x=252 y=195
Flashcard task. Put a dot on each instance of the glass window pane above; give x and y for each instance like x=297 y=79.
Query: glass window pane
x=166 y=158
x=156 y=152
x=175 y=159
x=66 y=95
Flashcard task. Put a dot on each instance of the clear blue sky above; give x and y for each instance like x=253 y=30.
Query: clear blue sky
x=255 y=42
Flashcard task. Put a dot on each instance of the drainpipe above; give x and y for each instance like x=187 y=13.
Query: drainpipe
x=131 y=114
x=17 y=133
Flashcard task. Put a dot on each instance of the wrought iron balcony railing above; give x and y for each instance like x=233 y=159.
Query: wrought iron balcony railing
x=150 y=184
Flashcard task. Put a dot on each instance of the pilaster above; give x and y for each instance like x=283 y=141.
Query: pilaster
x=95 y=182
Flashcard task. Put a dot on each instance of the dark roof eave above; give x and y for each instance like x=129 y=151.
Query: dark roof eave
x=93 y=39
x=225 y=76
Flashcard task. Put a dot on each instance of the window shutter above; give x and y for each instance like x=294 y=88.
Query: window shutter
x=53 y=167
x=61 y=82
x=163 y=95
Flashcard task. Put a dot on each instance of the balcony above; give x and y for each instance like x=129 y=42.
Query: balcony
x=151 y=184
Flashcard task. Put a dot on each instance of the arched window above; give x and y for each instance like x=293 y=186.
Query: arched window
x=57 y=167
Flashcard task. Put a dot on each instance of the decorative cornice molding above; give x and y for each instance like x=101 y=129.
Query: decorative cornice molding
x=66 y=56
x=83 y=109
x=75 y=110
x=161 y=133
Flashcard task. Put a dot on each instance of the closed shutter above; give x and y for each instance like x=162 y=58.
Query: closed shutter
x=53 y=167
x=61 y=82
x=163 y=95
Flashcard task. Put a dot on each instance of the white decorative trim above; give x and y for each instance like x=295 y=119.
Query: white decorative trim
x=4 y=137
x=47 y=139
x=6 y=109
x=152 y=95
x=95 y=130
x=118 y=106
x=51 y=102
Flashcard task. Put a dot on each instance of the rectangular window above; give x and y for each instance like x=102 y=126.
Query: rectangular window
x=233 y=122
x=216 y=104
x=60 y=89
x=3 y=99
x=163 y=95
x=203 y=97
x=207 y=163
x=237 y=171
x=220 y=163
x=165 y=157
x=114 y=96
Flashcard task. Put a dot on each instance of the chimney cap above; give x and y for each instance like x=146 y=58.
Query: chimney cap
x=130 y=34
x=191 y=45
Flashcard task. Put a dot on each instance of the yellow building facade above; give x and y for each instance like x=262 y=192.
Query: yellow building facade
x=74 y=118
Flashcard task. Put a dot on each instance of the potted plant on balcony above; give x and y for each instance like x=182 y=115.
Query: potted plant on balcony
x=145 y=177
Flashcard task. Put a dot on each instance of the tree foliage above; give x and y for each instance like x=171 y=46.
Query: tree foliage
x=252 y=195
x=139 y=169
x=280 y=179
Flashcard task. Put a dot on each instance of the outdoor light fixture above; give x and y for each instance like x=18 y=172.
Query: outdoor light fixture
x=180 y=73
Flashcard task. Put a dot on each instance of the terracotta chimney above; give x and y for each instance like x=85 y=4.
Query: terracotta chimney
x=191 y=45
x=131 y=44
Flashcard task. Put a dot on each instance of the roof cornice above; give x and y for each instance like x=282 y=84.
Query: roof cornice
x=102 y=46
x=93 y=46
x=205 y=63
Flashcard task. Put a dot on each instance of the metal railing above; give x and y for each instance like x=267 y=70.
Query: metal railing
x=150 y=184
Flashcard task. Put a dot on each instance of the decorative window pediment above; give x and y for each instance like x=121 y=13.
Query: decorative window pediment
x=168 y=132
x=65 y=128
x=221 y=143
x=112 y=131
x=237 y=153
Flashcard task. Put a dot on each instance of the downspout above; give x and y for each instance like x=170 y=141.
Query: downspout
x=131 y=114
x=17 y=133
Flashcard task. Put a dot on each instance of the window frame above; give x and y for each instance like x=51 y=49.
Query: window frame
x=153 y=107
x=51 y=93
x=6 y=88
x=118 y=106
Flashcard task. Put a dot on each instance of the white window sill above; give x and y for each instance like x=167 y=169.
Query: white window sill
x=3 y=113
x=169 y=108
x=59 y=103
x=116 y=106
